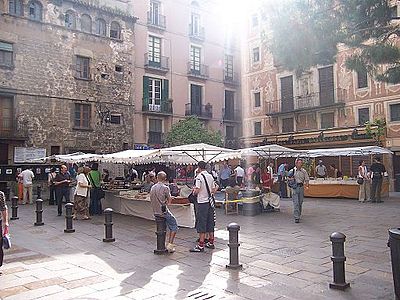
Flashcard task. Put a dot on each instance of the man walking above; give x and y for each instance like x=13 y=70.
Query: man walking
x=205 y=188
x=377 y=170
x=160 y=197
x=3 y=222
x=298 y=178
x=27 y=181
x=282 y=180
x=320 y=170
x=61 y=183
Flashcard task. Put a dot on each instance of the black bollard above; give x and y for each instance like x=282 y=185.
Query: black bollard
x=14 y=208
x=394 y=244
x=338 y=259
x=161 y=234
x=108 y=224
x=39 y=213
x=233 y=245
x=39 y=192
x=68 y=218
x=7 y=193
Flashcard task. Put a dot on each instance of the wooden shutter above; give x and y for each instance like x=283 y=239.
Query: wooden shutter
x=287 y=94
x=165 y=90
x=326 y=86
x=146 y=89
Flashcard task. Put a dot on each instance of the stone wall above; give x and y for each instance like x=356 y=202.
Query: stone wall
x=45 y=90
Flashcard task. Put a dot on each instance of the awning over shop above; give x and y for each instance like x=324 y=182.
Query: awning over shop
x=353 y=151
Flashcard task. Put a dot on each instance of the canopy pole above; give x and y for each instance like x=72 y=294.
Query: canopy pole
x=351 y=166
x=340 y=164
x=370 y=159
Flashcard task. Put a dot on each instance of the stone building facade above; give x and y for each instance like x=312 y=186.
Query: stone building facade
x=66 y=76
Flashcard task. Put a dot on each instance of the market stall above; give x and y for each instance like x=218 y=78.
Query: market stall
x=347 y=186
x=136 y=203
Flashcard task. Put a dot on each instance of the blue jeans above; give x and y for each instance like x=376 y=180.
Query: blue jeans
x=95 y=204
x=298 y=197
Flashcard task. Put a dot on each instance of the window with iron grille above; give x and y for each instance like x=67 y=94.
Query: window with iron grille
x=257 y=99
x=6 y=54
x=155 y=131
x=82 y=116
x=82 y=70
x=287 y=125
x=257 y=128
x=327 y=120
x=256 y=54
x=155 y=12
x=363 y=115
x=229 y=66
x=362 y=79
x=394 y=112
x=6 y=114
x=15 y=7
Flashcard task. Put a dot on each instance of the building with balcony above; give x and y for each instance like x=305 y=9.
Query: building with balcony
x=184 y=66
x=327 y=106
x=66 y=76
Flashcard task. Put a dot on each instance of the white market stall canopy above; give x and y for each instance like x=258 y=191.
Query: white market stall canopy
x=77 y=157
x=353 y=151
x=271 y=151
x=131 y=156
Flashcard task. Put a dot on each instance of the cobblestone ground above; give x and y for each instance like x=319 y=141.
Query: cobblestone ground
x=281 y=259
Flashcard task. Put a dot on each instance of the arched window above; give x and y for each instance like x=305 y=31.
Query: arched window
x=86 y=23
x=101 y=27
x=15 y=7
x=35 y=11
x=115 y=30
x=70 y=19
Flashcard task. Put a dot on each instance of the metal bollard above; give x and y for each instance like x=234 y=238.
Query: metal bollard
x=338 y=259
x=14 y=208
x=108 y=224
x=233 y=245
x=394 y=244
x=161 y=233
x=68 y=218
x=39 y=213
x=39 y=192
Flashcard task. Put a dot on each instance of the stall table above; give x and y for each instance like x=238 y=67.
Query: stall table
x=124 y=202
x=321 y=188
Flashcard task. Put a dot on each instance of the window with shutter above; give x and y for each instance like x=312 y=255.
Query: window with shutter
x=327 y=120
x=6 y=54
x=287 y=94
x=362 y=79
x=115 y=30
x=363 y=115
x=326 y=86
x=287 y=125
x=257 y=128
x=82 y=116
x=101 y=27
x=82 y=70
x=15 y=7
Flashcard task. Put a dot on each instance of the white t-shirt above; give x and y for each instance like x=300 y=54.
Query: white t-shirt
x=27 y=177
x=202 y=196
x=239 y=171
x=81 y=191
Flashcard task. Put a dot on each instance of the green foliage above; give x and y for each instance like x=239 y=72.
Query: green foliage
x=191 y=131
x=376 y=130
x=307 y=33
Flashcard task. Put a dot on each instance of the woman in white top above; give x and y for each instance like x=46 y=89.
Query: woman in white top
x=81 y=193
x=364 y=194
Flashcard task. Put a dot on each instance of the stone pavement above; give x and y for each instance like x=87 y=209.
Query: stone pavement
x=282 y=260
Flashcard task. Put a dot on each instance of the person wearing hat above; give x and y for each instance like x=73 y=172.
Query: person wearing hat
x=3 y=222
x=320 y=170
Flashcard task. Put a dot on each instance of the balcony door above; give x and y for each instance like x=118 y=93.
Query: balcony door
x=195 y=59
x=154 y=94
x=195 y=24
x=287 y=94
x=195 y=99
x=229 y=105
x=155 y=12
x=326 y=86
x=154 y=51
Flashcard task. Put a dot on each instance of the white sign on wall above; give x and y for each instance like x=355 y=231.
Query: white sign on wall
x=23 y=154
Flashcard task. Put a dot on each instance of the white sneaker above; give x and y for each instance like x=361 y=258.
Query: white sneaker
x=171 y=248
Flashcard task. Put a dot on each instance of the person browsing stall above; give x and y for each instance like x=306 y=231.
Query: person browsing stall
x=205 y=188
x=160 y=197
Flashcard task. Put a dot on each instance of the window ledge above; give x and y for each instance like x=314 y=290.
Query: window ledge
x=83 y=79
x=82 y=128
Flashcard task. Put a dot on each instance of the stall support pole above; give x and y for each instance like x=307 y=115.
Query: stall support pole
x=351 y=166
